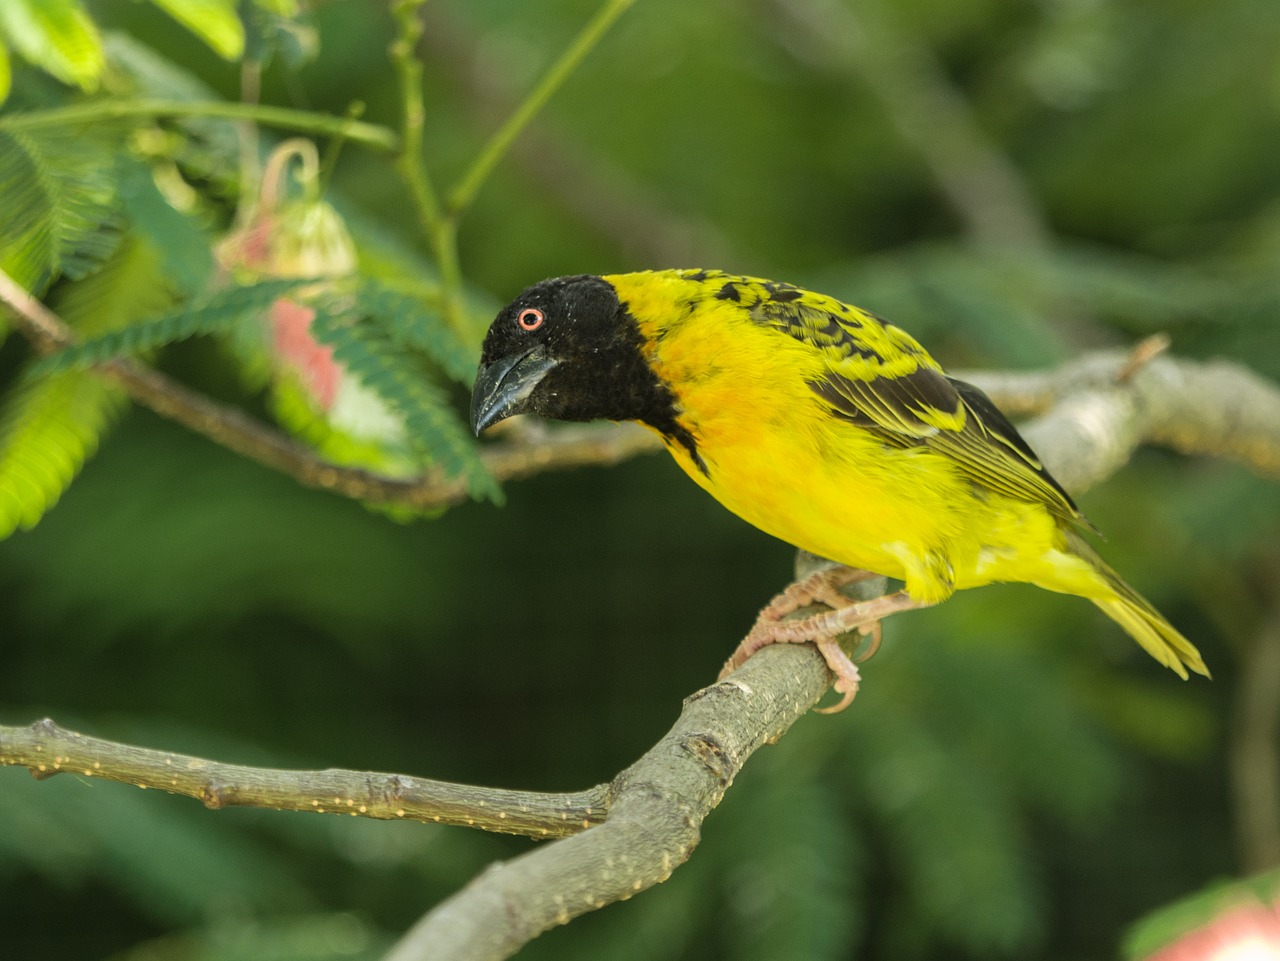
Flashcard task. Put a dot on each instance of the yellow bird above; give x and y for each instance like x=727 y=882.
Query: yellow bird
x=820 y=424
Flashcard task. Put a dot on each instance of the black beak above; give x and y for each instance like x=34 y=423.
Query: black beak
x=502 y=387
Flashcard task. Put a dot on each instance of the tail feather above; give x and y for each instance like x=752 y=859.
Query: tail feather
x=1135 y=614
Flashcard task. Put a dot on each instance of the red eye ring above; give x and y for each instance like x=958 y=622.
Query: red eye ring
x=531 y=318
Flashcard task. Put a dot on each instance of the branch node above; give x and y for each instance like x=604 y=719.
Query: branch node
x=48 y=727
x=713 y=756
x=392 y=790
x=214 y=795
x=1142 y=354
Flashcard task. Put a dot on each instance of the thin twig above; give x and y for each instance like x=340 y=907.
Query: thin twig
x=1144 y=351
x=250 y=144
x=305 y=121
x=646 y=226
x=441 y=232
x=462 y=195
x=439 y=221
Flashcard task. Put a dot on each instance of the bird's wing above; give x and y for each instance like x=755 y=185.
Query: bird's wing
x=878 y=377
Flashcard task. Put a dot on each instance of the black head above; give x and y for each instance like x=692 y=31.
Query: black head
x=567 y=349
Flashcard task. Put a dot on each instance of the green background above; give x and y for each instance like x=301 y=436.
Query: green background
x=1016 y=778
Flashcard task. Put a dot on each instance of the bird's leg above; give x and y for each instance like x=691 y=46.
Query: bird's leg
x=822 y=586
x=823 y=629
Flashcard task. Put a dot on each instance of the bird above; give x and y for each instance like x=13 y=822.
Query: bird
x=821 y=424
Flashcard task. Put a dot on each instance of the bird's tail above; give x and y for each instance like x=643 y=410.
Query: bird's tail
x=1134 y=613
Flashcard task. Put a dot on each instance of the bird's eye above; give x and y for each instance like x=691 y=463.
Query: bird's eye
x=531 y=318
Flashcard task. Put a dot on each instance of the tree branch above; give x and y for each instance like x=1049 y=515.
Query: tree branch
x=644 y=823
x=1108 y=407
x=655 y=815
x=46 y=749
x=1216 y=407
x=621 y=838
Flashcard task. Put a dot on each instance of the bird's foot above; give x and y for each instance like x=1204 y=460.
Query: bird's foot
x=823 y=629
x=822 y=586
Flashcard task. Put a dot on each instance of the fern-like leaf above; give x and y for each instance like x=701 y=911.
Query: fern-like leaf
x=418 y=325
x=61 y=208
x=217 y=313
x=433 y=426
x=183 y=241
x=212 y=147
x=48 y=428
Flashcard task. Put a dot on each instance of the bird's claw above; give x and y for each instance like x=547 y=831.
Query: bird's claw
x=846 y=674
x=823 y=629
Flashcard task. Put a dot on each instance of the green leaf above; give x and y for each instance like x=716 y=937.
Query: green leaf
x=221 y=311
x=50 y=426
x=211 y=150
x=6 y=73
x=434 y=428
x=183 y=242
x=61 y=208
x=57 y=36
x=213 y=21
x=1216 y=902
x=419 y=325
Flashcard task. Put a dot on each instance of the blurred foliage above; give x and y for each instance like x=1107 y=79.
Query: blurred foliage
x=1015 y=780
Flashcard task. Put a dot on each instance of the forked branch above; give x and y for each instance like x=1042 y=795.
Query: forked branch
x=620 y=838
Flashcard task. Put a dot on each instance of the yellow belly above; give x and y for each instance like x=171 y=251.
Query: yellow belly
x=900 y=513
